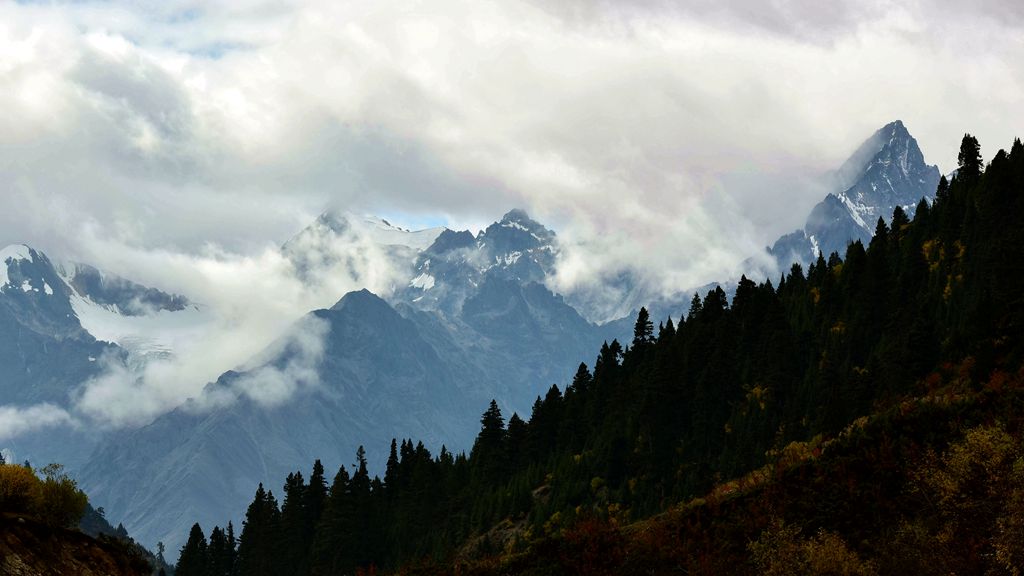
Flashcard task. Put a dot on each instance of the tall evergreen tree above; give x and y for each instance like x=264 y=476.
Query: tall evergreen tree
x=316 y=502
x=258 y=547
x=232 y=549
x=516 y=441
x=221 y=555
x=391 y=468
x=332 y=546
x=643 y=329
x=489 y=448
x=969 y=162
x=194 y=559
x=294 y=517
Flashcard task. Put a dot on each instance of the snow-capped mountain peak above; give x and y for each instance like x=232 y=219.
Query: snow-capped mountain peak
x=515 y=248
x=517 y=227
x=886 y=171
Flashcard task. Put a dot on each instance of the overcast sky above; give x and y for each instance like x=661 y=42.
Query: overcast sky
x=178 y=142
x=174 y=124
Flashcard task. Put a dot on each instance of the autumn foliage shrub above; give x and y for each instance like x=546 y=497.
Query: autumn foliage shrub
x=54 y=499
x=19 y=489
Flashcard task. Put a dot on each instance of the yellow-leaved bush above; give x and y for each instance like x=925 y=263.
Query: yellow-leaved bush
x=53 y=498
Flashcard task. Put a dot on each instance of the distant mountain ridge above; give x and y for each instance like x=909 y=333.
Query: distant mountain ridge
x=468 y=319
x=886 y=171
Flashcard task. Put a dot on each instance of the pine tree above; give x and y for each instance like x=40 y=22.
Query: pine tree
x=220 y=554
x=332 y=547
x=516 y=441
x=367 y=539
x=667 y=332
x=489 y=449
x=194 y=559
x=969 y=162
x=294 y=516
x=316 y=502
x=258 y=545
x=643 y=329
x=695 y=307
x=391 y=469
x=232 y=550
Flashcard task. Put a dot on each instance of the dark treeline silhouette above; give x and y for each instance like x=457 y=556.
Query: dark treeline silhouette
x=700 y=399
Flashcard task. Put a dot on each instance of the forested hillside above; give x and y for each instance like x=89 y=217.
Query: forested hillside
x=862 y=416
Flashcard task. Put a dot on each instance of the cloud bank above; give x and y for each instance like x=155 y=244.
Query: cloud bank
x=16 y=421
x=179 y=143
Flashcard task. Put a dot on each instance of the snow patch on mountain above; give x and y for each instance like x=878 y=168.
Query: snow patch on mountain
x=856 y=210
x=424 y=281
x=814 y=246
x=158 y=334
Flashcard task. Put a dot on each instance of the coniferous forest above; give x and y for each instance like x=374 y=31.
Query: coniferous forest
x=863 y=416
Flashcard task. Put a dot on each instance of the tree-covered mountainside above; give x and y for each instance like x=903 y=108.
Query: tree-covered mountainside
x=862 y=416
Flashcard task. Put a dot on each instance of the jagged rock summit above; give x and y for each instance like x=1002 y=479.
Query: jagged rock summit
x=451 y=270
x=886 y=171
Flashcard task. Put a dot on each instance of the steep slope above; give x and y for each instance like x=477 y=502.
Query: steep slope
x=29 y=548
x=886 y=171
x=119 y=294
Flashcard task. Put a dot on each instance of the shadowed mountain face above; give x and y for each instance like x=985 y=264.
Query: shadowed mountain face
x=45 y=354
x=43 y=348
x=124 y=296
x=886 y=171
x=379 y=376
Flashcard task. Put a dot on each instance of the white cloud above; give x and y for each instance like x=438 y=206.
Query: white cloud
x=17 y=420
x=251 y=307
x=300 y=354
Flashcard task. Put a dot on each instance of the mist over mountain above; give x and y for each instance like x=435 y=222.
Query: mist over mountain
x=55 y=339
x=473 y=322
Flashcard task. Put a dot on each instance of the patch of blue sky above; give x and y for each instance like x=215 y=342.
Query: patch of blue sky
x=414 y=221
